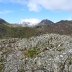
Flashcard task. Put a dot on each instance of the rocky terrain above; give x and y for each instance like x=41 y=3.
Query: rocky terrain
x=44 y=53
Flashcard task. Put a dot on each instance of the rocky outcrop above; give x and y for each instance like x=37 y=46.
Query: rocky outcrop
x=44 y=53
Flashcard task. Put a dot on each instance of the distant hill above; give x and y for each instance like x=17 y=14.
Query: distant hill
x=2 y=21
x=14 y=31
x=63 y=27
x=45 y=22
x=64 y=22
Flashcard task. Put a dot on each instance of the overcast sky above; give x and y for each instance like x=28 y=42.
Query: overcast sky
x=15 y=11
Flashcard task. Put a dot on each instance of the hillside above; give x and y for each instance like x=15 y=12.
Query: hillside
x=63 y=27
x=8 y=30
x=15 y=32
x=12 y=31
x=2 y=21
x=44 y=53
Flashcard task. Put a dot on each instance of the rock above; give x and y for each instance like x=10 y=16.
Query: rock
x=52 y=53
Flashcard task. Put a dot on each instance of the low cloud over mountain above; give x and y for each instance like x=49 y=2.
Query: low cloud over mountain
x=29 y=22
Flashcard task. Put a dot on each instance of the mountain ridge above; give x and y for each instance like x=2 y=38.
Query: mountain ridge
x=63 y=27
x=42 y=22
x=2 y=21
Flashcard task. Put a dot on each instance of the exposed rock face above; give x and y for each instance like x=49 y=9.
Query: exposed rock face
x=44 y=53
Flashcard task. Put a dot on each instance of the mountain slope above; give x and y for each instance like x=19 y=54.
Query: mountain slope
x=2 y=21
x=45 y=26
x=45 y=22
x=16 y=32
x=61 y=27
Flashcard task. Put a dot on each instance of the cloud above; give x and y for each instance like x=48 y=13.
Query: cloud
x=50 y=4
x=33 y=5
x=32 y=21
x=36 y=5
x=5 y=12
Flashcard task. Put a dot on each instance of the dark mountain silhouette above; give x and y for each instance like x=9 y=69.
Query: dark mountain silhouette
x=2 y=21
x=64 y=22
x=61 y=27
x=45 y=22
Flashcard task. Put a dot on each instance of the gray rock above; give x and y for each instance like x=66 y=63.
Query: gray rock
x=44 y=53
